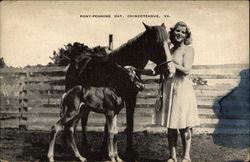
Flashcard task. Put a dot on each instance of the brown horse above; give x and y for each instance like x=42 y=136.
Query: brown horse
x=95 y=70
x=106 y=100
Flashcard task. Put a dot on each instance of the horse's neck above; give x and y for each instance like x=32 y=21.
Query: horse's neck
x=131 y=53
x=124 y=58
x=122 y=90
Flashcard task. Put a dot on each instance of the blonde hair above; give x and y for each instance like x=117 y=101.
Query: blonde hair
x=187 y=40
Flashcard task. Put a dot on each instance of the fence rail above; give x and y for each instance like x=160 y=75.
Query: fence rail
x=30 y=99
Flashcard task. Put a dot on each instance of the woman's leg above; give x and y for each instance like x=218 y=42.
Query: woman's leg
x=172 y=141
x=186 y=137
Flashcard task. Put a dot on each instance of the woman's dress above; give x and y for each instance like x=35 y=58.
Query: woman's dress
x=179 y=106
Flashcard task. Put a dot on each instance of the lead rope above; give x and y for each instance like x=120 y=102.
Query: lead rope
x=159 y=100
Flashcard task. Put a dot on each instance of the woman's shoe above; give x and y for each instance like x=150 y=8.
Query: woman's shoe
x=172 y=160
x=186 y=160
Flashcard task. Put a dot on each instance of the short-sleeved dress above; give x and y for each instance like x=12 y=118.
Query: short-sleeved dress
x=179 y=106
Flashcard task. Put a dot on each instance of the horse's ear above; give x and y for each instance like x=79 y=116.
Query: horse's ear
x=146 y=26
x=163 y=25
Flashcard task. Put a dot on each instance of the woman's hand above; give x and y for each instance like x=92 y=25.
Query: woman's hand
x=171 y=69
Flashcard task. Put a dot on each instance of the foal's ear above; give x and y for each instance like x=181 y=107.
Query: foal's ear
x=76 y=66
x=146 y=26
x=163 y=25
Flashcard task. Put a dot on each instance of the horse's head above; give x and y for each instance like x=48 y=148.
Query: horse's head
x=157 y=39
x=152 y=45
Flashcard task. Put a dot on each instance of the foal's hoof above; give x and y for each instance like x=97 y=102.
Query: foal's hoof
x=112 y=159
x=82 y=159
x=118 y=159
x=51 y=159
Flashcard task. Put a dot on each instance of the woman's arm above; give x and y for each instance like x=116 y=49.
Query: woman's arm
x=187 y=61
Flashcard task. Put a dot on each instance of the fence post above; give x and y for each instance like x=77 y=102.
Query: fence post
x=23 y=104
x=110 y=42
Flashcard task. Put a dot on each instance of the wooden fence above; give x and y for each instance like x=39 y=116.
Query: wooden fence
x=30 y=99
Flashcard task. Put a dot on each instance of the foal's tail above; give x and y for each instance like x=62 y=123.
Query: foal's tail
x=63 y=107
x=63 y=110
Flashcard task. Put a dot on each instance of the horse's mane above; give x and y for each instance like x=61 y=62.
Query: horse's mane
x=156 y=32
x=161 y=34
x=128 y=45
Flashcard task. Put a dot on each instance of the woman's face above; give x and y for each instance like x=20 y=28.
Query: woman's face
x=180 y=33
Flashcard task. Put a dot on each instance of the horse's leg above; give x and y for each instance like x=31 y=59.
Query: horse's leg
x=115 y=129
x=110 y=142
x=104 y=147
x=84 y=120
x=130 y=107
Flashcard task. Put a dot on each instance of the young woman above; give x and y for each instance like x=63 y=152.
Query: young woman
x=181 y=106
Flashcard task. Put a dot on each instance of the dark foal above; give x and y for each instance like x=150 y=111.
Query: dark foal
x=82 y=99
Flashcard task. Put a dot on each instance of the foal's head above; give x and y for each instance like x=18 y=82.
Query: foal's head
x=133 y=77
x=127 y=80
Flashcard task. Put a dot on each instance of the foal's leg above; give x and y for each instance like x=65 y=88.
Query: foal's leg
x=71 y=126
x=72 y=139
x=54 y=130
x=110 y=128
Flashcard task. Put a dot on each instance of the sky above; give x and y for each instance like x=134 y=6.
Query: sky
x=31 y=31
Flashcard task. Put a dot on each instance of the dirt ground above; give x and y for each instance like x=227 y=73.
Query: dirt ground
x=21 y=145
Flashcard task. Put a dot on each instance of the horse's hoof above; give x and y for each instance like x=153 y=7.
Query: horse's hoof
x=131 y=153
x=87 y=148
x=86 y=145
x=104 y=154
